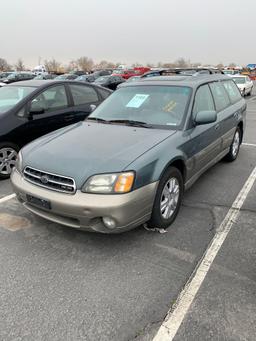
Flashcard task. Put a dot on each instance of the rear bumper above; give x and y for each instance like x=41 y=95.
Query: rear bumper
x=85 y=211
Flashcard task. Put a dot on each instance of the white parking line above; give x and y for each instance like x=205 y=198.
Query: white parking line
x=177 y=313
x=249 y=144
x=8 y=197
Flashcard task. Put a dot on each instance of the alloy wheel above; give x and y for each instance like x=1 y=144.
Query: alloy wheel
x=8 y=157
x=169 y=198
x=236 y=144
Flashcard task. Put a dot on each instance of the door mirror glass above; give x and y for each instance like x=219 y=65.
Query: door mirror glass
x=36 y=108
x=206 y=117
x=92 y=107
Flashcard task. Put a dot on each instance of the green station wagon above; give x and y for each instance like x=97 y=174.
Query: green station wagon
x=130 y=161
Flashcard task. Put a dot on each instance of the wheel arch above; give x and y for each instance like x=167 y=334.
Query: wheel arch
x=178 y=163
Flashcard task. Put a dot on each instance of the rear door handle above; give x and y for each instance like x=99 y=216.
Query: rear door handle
x=69 y=117
x=217 y=126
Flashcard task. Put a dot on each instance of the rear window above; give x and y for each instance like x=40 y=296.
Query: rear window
x=220 y=96
x=232 y=91
x=104 y=93
x=83 y=94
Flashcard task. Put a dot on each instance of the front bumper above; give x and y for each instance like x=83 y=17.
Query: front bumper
x=85 y=211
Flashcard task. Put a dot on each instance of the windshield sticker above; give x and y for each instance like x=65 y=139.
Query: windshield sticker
x=169 y=106
x=137 y=101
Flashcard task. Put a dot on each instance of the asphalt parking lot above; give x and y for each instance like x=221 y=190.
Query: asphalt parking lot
x=63 y=284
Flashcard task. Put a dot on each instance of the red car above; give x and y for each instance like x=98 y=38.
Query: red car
x=126 y=74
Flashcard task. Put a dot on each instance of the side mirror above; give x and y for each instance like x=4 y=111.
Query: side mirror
x=92 y=108
x=206 y=117
x=36 y=109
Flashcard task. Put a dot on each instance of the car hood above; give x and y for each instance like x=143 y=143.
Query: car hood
x=88 y=148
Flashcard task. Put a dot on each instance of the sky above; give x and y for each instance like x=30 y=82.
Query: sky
x=128 y=31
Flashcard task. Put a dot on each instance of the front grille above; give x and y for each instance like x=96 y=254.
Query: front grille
x=51 y=181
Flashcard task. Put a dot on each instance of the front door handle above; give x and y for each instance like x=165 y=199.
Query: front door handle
x=217 y=126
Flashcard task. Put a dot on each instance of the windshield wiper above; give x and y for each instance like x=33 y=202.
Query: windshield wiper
x=97 y=119
x=132 y=123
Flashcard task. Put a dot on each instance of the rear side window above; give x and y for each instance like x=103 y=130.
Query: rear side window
x=220 y=96
x=232 y=91
x=203 y=100
x=104 y=93
x=83 y=94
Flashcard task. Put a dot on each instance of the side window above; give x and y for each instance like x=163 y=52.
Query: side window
x=220 y=96
x=203 y=100
x=104 y=93
x=232 y=91
x=51 y=99
x=83 y=94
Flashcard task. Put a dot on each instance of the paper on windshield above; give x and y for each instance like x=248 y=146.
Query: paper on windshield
x=137 y=101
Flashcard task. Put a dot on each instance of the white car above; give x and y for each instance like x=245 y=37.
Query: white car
x=244 y=83
x=1 y=84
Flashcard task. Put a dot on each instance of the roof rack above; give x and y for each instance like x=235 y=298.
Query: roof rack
x=182 y=72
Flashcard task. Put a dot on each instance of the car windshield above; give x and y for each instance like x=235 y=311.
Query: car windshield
x=11 y=95
x=239 y=80
x=156 y=106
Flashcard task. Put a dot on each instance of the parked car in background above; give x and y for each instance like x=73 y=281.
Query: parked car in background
x=78 y=72
x=126 y=74
x=99 y=73
x=244 y=83
x=131 y=160
x=33 y=108
x=110 y=82
x=231 y=72
x=2 y=84
x=4 y=75
x=134 y=78
x=66 y=76
x=45 y=76
x=18 y=76
x=86 y=78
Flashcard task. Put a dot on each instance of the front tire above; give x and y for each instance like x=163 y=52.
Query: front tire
x=168 y=199
x=235 y=146
x=8 y=157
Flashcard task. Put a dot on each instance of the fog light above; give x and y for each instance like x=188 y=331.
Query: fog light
x=109 y=222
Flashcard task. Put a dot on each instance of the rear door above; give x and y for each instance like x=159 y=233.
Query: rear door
x=205 y=139
x=231 y=117
x=82 y=96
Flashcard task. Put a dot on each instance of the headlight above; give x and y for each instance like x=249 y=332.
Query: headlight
x=109 y=183
x=19 y=162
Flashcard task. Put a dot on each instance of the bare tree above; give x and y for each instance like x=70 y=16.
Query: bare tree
x=104 y=64
x=52 y=65
x=4 y=66
x=168 y=65
x=72 y=66
x=19 y=66
x=85 y=63
x=220 y=66
x=181 y=63
x=232 y=65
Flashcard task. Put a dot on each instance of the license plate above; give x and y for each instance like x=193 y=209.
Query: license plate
x=39 y=202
